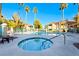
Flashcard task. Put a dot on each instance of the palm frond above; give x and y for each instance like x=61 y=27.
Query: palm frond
x=27 y=9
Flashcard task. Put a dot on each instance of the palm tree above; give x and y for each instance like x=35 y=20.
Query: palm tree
x=27 y=10
x=20 y=25
x=20 y=5
x=76 y=18
x=62 y=7
x=16 y=18
x=35 y=10
x=0 y=7
x=11 y=23
x=78 y=7
x=0 y=13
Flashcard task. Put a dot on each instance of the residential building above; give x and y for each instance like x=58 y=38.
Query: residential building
x=61 y=26
x=77 y=20
x=67 y=24
x=28 y=27
x=54 y=26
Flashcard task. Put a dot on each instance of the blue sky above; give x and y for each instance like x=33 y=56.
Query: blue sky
x=47 y=12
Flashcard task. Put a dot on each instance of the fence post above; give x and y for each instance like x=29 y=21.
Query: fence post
x=64 y=39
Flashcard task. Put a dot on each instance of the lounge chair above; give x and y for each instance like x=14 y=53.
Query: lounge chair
x=7 y=38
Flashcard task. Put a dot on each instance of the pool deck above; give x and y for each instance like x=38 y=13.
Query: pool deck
x=57 y=49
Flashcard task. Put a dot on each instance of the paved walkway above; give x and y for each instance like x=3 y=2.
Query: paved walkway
x=57 y=49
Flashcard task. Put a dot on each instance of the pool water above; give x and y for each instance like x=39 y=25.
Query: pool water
x=46 y=33
x=35 y=44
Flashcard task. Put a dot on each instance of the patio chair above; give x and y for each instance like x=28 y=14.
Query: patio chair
x=7 y=38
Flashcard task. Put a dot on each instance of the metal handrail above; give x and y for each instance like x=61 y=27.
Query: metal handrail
x=63 y=38
x=54 y=37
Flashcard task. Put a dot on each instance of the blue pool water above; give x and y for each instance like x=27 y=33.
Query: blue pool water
x=44 y=32
x=35 y=44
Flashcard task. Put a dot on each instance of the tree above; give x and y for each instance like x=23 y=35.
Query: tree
x=62 y=7
x=78 y=6
x=76 y=18
x=10 y=23
x=37 y=24
x=27 y=10
x=20 y=5
x=1 y=21
x=35 y=10
x=16 y=19
x=0 y=7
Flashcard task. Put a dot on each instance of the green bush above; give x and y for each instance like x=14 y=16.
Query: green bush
x=77 y=30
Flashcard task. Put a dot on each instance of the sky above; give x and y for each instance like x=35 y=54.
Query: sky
x=47 y=12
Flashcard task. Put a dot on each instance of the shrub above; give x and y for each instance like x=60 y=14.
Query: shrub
x=77 y=30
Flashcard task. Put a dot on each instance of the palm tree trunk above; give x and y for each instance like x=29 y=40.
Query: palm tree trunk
x=78 y=9
x=26 y=17
x=0 y=7
x=19 y=11
x=63 y=17
x=35 y=16
x=62 y=14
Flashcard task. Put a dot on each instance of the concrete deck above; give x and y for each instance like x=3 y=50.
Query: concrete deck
x=57 y=49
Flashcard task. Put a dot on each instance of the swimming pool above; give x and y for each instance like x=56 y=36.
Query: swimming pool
x=35 y=44
x=47 y=33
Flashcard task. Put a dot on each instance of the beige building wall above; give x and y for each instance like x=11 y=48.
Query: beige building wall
x=61 y=26
x=77 y=21
x=53 y=26
x=28 y=27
